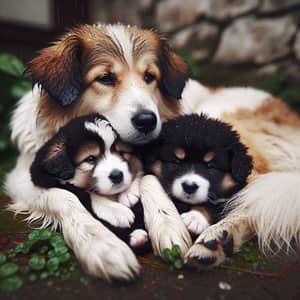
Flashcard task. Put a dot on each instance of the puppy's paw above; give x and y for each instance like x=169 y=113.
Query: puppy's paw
x=114 y=213
x=138 y=238
x=195 y=221
x=211 y=247
x=132 y=195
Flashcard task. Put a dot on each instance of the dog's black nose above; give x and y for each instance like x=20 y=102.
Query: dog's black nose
x=190 y=188
x=144 y=121
x=116 y=176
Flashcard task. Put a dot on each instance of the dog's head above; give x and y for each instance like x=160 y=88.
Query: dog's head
x=128 y=74
x=88 y=154
x=199 y=159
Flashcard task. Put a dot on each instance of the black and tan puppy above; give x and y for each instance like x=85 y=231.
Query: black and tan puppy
x=86 y=155
x=200 y=163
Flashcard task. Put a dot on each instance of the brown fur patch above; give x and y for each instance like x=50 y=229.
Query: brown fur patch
x=227 y=182
x=56 y=149
x=85 y=151
x=209 y=156
x=204 y=212
x=156 y=168
x=180 y=153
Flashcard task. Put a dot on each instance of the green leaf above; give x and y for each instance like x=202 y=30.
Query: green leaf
x=32 y=277
x=37 y=262
x=45 y=234
x=44 y=249
x=60 y=250
x=166 y=253
x=20 y=88
x=44 y=275
x=176 y=250
x=11 y=65
x=25 y=270
x=34 y=236
x=64 y=257
x=2 y=258
x=178 y=264
x=10 y=284
x=53 y=264
x=8 y=269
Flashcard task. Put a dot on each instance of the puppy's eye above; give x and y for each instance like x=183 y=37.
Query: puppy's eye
x=211 y=165
x=91 y=159
x=148 y=77
x=107 y=79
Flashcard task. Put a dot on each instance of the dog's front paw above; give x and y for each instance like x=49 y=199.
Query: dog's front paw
x=132 y=195
x=195 y=221
x=114 y=213
x=100 y=252
x=211 y=247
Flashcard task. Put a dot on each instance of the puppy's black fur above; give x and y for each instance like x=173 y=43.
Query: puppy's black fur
x=54 y=165
x=195 y=136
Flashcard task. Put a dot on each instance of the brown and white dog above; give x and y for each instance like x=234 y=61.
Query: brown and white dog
x=133 y=78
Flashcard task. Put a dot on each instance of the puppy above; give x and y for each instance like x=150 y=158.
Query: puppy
x=200 y=163
x=86 y=156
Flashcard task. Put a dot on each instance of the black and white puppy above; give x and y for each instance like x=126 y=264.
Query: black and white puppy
x=200 y=163
x=86 y=155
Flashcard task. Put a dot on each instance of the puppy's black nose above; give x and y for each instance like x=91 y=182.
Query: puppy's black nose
x=144 y=121
x=190 y=188
x=116 y=176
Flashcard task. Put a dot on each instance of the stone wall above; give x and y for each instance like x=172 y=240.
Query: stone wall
x=261 y=34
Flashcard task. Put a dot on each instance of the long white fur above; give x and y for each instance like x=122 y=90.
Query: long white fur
x=272 y=202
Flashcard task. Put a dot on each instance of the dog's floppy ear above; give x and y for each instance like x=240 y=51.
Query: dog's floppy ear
x=241 y=164
x=58 y=69
x=174 y=71
x=52 y=163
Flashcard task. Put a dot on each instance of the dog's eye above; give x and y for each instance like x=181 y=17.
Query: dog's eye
x=148 y=77
x=211 y=165
x=107 y=79
x=91 y=159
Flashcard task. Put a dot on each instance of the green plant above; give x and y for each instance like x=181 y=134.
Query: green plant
x=173 y=257
x=14 y=84
x=47 y=255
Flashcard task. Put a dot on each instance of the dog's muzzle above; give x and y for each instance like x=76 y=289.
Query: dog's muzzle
x=145 y=121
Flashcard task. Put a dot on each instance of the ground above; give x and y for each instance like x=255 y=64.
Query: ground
x=246 y=276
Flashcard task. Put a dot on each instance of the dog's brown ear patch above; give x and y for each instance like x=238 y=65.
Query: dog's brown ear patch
x=180 y=153
x=209 y=156
x=174 y=71
x=56 y=149
x=58 y=69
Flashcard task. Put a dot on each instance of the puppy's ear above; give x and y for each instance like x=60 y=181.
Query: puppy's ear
x=174 y=71
x=241 y=164
x=52 y=163
x=58 y=69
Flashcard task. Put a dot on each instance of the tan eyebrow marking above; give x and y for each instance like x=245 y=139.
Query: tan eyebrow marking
x=209 y=156
x=227 y=182
x=180 y=153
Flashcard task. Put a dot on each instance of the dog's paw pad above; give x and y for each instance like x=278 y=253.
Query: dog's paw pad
x=212 y=244
x=138 y=238
x=195 y=222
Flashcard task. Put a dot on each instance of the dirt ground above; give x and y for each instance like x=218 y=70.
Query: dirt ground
x=279 y=279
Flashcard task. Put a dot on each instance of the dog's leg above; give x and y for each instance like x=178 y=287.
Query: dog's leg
x=99 y=251
x=163 y=222
x=220 y=241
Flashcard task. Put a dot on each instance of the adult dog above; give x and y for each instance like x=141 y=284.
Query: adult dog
x=133 y=78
